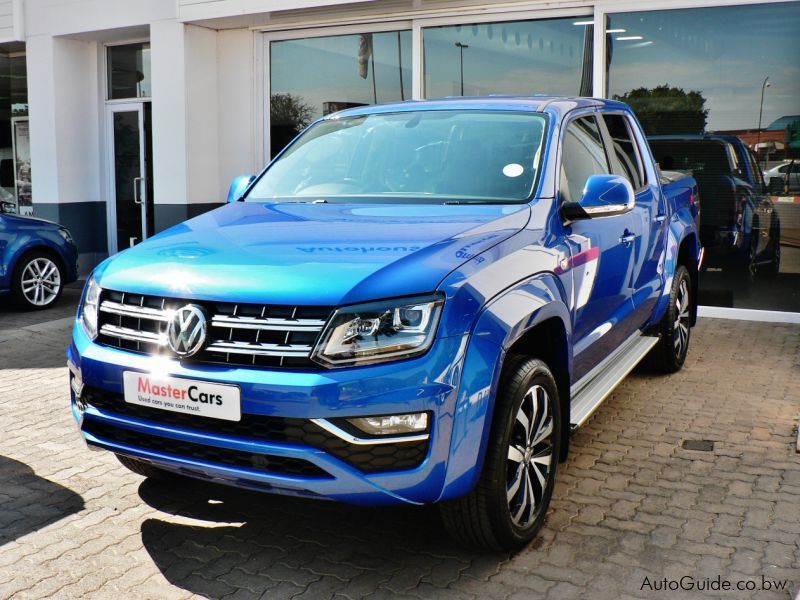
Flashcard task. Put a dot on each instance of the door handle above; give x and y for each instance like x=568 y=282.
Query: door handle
x=660 y=218
x=627 y=238
x=137 y=189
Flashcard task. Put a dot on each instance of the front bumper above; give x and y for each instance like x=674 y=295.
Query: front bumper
x=291 y=463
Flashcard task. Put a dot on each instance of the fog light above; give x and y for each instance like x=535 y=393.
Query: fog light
x=76 y=384
x=392 y=424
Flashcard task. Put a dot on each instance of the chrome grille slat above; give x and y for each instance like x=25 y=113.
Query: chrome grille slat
x=259 y=349
x=268 y=324
x=137 y=312
x=132 y=335
x=246 y=334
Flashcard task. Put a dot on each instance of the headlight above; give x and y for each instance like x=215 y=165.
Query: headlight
x=378 y=332
x=89 y=307
x=64 y=233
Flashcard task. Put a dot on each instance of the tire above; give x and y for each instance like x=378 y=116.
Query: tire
x=142 y=468
x=773 y=267
x=675 y=329
x=493 y=516
x=38 y=281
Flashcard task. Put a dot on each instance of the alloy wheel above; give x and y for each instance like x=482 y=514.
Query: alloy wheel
x=530 y=457
x=41 y=281
x=681 y=324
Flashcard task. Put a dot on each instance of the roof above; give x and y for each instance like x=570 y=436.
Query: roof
x=712 y=137
x=783 y=122
x=537 y=103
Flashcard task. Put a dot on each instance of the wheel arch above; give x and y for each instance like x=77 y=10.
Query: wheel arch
x=31 y=248
x=688 y=253
x=525 y=319
x=547 y=340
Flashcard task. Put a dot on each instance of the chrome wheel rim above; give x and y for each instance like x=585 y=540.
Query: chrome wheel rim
x=681 y=325
x=530 y=457
x=41 y=281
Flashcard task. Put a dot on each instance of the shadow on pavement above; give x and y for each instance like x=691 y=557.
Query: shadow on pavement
x=29 y=502
x=280 y=545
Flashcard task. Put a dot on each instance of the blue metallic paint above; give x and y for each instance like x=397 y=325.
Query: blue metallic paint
x=503 y=269
x=19 y=235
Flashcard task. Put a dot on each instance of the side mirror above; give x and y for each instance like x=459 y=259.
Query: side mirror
x=603 y=196
x=8 y=208
x=238 y=187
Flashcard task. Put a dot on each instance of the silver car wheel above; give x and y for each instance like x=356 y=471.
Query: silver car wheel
x=530 y=456
x=682 y=317
x=41 y=281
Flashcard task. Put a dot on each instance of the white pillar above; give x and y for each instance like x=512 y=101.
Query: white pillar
x=64 y=108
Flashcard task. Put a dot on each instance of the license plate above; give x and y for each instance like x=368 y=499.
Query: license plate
x=188 y=396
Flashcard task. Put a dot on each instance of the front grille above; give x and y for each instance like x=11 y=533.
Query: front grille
x=238 y=334
x=279 y=465
x=371 y=458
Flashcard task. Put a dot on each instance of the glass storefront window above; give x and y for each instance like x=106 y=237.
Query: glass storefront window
x=128 y=71
x=548 y=56
x=312 y=77
x=15 y=151
x=717 y=91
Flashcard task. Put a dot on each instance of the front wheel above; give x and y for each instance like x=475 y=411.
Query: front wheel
x=669 y=354
x=38 y=281
x=507 y=507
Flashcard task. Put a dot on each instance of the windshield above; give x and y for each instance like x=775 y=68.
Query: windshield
x=410 y=156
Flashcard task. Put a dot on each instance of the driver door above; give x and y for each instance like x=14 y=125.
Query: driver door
x=601 y=250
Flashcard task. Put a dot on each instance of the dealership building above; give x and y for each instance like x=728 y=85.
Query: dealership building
x=119 y=118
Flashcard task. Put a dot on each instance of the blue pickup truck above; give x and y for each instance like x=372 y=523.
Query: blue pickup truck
x=413 y=303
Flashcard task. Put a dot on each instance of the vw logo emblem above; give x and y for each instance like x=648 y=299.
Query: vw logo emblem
x=186 y=331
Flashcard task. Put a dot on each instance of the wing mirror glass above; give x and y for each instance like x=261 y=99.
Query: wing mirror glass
x=603 y=196
x=238 y=187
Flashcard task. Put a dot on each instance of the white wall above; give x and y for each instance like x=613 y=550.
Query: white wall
x=202 y=115
x=167 y=70
x=77 y=17
x=209 y=9
x=186 y=141
x=63 y=98
x=236 y=86
x=8 y=31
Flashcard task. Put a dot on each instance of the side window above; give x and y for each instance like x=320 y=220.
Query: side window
x=758 y=176
x=626 y=151
x=582 y=155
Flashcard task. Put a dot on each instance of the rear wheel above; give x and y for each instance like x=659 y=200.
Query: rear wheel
x=669 y=354
x=508 y=505
x=142 y=468
x=773 y=267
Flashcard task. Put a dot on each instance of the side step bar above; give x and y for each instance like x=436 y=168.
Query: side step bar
x=591 y=395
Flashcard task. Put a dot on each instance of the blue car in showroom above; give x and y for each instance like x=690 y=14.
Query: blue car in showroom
x=413 y=303
x=37 y=259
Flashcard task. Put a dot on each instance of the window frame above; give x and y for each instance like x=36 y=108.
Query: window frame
x=570 y=118
x=637 y=148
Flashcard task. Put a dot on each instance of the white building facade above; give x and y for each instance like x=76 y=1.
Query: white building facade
x=124 y=117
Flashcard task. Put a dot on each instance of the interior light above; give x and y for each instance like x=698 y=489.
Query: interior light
x=583 y=23
x=629 y=38
x=616 y=30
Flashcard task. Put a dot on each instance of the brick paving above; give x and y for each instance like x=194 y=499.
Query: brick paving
x=630 y=503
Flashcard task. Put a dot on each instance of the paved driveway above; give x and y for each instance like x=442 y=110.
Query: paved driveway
x=632 y=506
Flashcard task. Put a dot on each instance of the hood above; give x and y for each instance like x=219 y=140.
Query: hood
x=23 y=220
x=311 y=254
